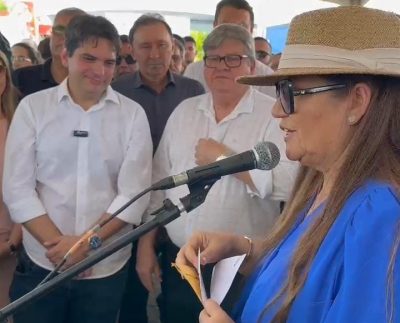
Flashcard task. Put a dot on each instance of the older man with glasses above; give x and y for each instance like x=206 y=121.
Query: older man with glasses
x=234 y=12
x=35 y=78
x=229 y=119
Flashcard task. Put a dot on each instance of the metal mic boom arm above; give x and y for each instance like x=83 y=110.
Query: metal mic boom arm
x=167 y=213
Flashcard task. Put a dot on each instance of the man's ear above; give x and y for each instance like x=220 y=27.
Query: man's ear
x=64 y=57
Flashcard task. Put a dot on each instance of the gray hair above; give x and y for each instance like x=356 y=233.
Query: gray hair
x=146 y=20
x=225 y=32
x=71 y=12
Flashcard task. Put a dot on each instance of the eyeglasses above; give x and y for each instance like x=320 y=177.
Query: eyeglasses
x=128 y=59
x=285 y=92
x=260 y=54
x=59 y=30
x=232 y=61
x=21 y=59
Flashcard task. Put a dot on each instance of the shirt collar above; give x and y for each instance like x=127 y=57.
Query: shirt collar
x=109 y=96
x=245 y=105
x=138 y=82
x=46 y=72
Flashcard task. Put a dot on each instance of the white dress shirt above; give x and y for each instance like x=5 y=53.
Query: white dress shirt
x=75 y=180
x=230 y=205
x=195 y=71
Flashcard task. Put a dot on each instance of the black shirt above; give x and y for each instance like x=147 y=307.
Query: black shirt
x=35 y=78
x=158 y=106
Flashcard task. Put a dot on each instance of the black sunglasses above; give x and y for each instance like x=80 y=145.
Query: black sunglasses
x=285 y=92
x=128 y=59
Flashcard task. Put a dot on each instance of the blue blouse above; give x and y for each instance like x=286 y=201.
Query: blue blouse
x=347 y=281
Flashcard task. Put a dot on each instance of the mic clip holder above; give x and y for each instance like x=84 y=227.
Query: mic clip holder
x=198 y=193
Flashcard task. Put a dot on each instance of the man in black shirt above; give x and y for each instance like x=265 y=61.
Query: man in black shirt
x=35 y=78
x=158 y=91
x=153 y=86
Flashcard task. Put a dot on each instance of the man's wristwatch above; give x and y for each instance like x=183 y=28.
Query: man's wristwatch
x=95 y=242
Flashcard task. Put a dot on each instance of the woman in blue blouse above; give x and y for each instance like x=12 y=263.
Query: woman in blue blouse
x=333 y=256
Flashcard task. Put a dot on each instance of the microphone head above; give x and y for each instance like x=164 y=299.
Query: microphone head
x=268 y=155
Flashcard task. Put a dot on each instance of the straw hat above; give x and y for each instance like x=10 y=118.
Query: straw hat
x=342 y=40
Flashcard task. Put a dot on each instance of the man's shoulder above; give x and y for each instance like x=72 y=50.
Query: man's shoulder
x=34 y=78
x=27 y=74
x=125 y=85
x=263 y=97
x=190 y=105
x=123 y=81
x=262 y=69
x=29 y=70
x=125 y=100
x=39 y=103
x=187 y=81
x=194 y=68
x=45 y=95
x=127 y=104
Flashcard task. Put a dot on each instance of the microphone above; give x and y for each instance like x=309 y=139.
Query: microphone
x=264 y=156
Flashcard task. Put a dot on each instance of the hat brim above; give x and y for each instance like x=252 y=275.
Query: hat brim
x=282 y=74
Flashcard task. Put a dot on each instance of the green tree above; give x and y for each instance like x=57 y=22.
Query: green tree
x=199 y=37
x=3 y=8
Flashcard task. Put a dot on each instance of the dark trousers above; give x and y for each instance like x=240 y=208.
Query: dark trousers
x=134 y=300
x=178 y=303
x=76 y=301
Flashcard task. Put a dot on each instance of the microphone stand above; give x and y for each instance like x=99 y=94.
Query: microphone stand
x=167 y=213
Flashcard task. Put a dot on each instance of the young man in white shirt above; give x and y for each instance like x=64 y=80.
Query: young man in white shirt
x=75 y=154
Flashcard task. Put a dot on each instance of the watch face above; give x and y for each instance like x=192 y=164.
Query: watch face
x=94 y=242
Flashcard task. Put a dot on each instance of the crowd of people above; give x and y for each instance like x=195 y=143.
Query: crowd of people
x=95 y=117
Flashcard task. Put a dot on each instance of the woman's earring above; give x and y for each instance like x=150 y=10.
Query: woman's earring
x=351 y=120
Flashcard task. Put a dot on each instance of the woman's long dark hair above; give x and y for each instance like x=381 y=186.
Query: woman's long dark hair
x=373 y=151
x=9 y=96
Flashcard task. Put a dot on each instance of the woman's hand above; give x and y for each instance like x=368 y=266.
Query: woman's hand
x=214 y=246
x=213 y=313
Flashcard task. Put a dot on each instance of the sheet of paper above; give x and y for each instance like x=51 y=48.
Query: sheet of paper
x=222 y=278
x=202 y=288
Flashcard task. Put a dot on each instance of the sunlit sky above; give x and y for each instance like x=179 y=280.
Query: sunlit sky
x=282 y=9
x=122 y=12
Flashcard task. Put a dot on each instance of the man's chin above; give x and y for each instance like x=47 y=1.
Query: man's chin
x=124 y=73
x=96 y=90
x=154 y=71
